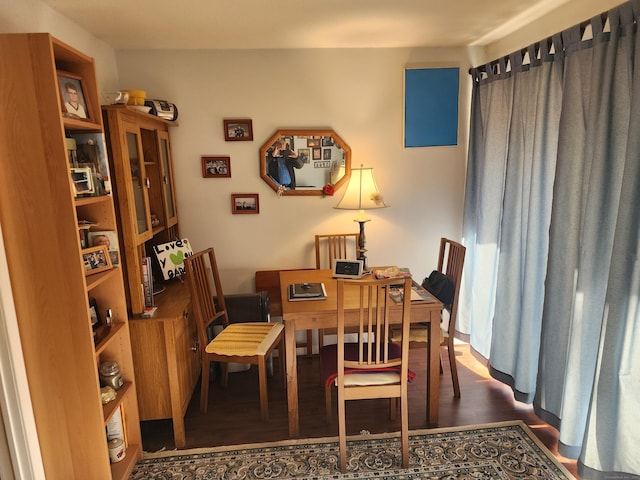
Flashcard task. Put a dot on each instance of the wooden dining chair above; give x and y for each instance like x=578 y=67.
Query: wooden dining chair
x=269 y=281
x=374 y=367
x=450 y=263
x=250 y=343
x=330 y=247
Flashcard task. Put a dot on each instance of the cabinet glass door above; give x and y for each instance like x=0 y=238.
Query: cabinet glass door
x=139 y=184
x=170 y=210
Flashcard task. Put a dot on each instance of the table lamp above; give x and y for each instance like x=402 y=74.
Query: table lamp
x=361 y=194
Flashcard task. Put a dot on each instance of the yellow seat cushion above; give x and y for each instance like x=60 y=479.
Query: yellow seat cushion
x=245 y=339
x=417 y=333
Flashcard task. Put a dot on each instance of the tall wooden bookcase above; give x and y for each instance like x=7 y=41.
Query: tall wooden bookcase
x=39 y=214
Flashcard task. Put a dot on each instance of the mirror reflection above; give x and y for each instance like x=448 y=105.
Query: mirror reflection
x=303 y=162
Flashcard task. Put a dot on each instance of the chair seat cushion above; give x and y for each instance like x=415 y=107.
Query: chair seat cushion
x=418 y=333
x=245 y=339
x=329 y=360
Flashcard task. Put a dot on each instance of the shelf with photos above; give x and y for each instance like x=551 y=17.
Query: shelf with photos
x=88 y=164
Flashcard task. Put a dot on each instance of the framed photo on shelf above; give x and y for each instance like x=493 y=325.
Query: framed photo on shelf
x=238 y=130
x=216 y=167
x=96 y=259
x=72 y=97
x=82 y=181
x=91 y=150
x=96 y=321
x=109 y=239
x=245 y=203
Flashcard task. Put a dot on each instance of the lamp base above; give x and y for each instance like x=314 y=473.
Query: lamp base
x=361 y=243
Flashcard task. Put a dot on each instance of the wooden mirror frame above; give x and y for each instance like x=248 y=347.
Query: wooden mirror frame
x=299 y=135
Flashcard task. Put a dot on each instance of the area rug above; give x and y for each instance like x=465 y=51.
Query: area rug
x=506 y=450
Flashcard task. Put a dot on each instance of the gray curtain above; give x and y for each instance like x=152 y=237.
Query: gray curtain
x=552 y=278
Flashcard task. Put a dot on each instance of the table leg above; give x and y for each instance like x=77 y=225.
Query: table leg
x=433 y=368
x=292 y=377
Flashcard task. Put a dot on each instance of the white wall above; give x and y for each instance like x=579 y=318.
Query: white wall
x=359 y=94
x=34 y=16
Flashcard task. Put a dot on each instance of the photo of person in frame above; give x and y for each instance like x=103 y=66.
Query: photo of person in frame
x=72 y=97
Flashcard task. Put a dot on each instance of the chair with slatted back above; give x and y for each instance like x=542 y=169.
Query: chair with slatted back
x=450 y=263
x=373 y=367
x=330 y=247
x=269 y=281
x=250 y=343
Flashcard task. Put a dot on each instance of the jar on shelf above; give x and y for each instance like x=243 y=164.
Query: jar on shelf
x=117 y=450
x=110 y=375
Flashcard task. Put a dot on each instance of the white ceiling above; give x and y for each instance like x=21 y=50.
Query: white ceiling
x=255 y=24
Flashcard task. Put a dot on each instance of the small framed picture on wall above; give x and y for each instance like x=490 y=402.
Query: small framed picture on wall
x=238 y=130
x=245 y=203
x=216 y=167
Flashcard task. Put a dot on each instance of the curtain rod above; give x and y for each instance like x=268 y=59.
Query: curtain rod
x=536 y=46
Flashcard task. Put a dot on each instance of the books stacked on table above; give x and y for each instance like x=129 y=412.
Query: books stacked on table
x=307 y=291
x=417 y=293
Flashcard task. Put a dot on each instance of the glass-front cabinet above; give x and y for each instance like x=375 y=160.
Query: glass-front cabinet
x=157 y=161
x=140 y=155
x=138 y=182
x=167 y=179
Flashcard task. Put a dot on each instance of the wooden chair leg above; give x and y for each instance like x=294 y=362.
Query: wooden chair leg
x=342 y=432
x=281 y=361
x=204 y=386
x=454 y=370
x=262 y=377
x=327 y=403
x=309 y=343
x=404 y=430
x=224 y=367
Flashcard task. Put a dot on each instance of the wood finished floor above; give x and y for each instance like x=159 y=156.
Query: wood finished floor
x=234 y=412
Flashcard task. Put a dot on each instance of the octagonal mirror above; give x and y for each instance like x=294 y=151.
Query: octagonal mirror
x=304 y=161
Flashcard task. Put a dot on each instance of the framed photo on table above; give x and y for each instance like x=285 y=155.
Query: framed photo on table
x=72 y=97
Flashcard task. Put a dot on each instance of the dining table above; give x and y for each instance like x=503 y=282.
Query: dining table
x=322 y=313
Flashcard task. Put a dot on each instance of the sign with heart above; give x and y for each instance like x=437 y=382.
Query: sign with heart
x=171 y=257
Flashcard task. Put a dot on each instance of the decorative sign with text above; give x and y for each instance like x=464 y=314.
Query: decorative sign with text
x=171 y=257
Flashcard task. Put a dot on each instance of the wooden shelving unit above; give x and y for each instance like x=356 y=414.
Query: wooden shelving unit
x=39 y=216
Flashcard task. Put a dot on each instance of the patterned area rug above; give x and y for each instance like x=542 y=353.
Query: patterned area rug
x=506 y=450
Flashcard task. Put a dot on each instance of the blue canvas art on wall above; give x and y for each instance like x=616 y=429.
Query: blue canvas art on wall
x=431 y=106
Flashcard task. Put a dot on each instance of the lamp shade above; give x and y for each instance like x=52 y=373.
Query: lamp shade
x=362 y=192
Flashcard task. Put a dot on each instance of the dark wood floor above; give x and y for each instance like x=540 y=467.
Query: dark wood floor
x=234 y=412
